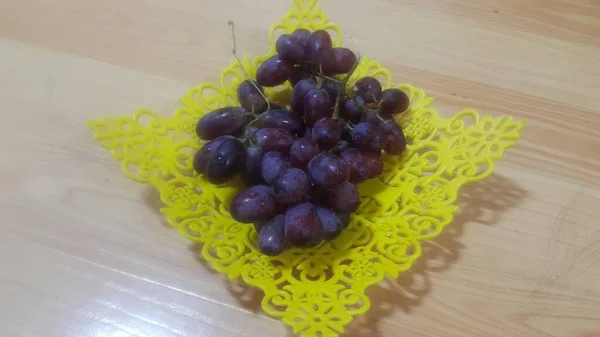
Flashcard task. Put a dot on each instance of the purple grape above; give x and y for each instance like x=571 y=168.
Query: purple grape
x=351 y=109
x=284 y=119
x=252 y=174
x=273 y=164
x=374 y=163
x=317 y=105
x=308 y=133
x=345 y=217
x=327 y=132
x=271 y=139
x=357 y=165
x=302 y=35
x=330 y=222
x=251 y=98
x=252 y=130
x=259 y=225
x=274 y=72
x=291 y=186
x=395 y=142
x=300 y=90
x=224 y=121
x=228 y=159
x=343 y=198
x=302 y=226
x=367 y=88
x=300 y=73
x=338 y=61
x=327 y=170
x=319 y=45
x=332 y=89
x=271 y=238
x=368 y=136
x=290 y=48
x=254 y=204
x=302 y=151
x=393 y=101
x=207 y=152
x=341 y=146
x=372 y=116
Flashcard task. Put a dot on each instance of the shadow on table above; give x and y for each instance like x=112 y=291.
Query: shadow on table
x=483 y=203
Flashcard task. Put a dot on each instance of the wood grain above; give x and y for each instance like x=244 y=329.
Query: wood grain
x=85 y=253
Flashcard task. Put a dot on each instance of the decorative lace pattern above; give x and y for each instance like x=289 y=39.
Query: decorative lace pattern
x=315 y=291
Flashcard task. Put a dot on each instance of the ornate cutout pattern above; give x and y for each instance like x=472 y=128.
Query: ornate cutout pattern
x=315 y=291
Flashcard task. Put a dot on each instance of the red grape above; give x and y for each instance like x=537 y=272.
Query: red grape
x=395 y=142
x=393 y=101
x=207 y=152
x=273 y=164
x=319 y=45
x=274 y=71
x=332 y=89
x=271 y=139
x=317 y=105
x=374 y=163
x=357 y=164
x=302 y=151
x=300 y=90
x=228 y=159
x=338 y=61
x=224 y=121
x=302 y=35
x=343 y=198
x=271 y=238
x=368 y=136
x=254 y=204
x=327 y=170
x=368 y=88
x=290 y=48
x=291 y=186
x=250 y=97
x=302 y=226
x=284 y=119
x=330 y=222
x=327 y=132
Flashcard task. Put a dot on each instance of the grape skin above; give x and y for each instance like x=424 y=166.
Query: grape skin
x=271 y=139
x=327 y=170
x=330 y=222
x=224 y=121
x=302 y=226
x=254 y=204
x=291 y=186
x=327 y=132
x=302 y=151
x=343 y=198
x=250 y=98
x=368 y=136
x=317 y=105
x=395 y=142
x=393 y=101
x=274 y=71
x=271 y=238
x=368 y=88
x=207 y=152
x=273 y=164
x=228 y=159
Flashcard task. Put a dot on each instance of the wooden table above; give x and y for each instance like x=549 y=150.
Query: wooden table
x=85 y=253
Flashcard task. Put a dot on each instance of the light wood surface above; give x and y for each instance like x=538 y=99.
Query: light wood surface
x=84 y=252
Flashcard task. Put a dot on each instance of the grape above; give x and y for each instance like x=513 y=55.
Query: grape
x=338 y=61
x=273 y=164
x=274 y=72
x=259 y=225
x=302 y=36
x=284 y=119
x=290 y=48
x=367 y=88
x=252 y=174
x=395 y=142
x=330 y=222
x=343 y=198
x=254 y=204
x=328 y=170
x=368 y=136
x=345 y=217
x=271 y=238
x=317 y=105
x=207 y=152
x=300 y=90
x=302 y=151
x=252 y=130
x=332 y=89
x=300 y=73
x=224 y=121
x=319 y=45
x=341 y=146
x=372 y=116
x=327 y=132
x=302 y=226
x=308 y=133
x=357 y=164
x=291 y=187
x=351 y=109
x=374 y=163
x=250 y=97
x=228 y=159
x=271 y=139
x=393 y=101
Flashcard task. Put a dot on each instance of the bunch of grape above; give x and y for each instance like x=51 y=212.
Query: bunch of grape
x=302 y=162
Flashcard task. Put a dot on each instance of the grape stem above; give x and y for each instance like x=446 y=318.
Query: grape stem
x=342 y=90
x=234 y=52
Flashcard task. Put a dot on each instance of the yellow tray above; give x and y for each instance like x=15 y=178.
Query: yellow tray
x=316 y=291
